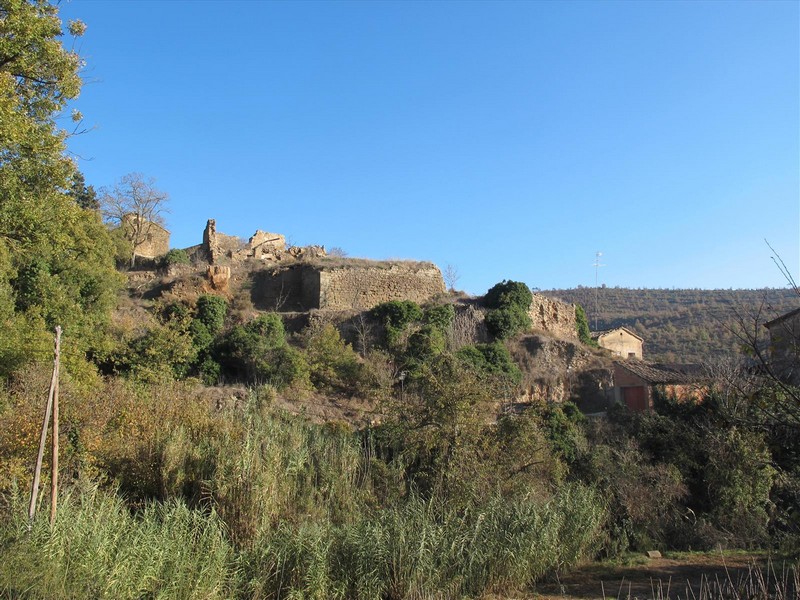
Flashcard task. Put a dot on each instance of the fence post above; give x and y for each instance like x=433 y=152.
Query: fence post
x=37 y=472
x=54 y=470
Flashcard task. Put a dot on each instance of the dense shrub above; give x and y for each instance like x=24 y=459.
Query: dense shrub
x=176 y=256
x=492 y=359
x=503 y=323
x=211 y=311
x=396 y=316
x=439 y=316
x=333 y=364
x=257 y=352
x=508 y=303
x=398 y=313
x=161 y=351
x=425 y=343
x=507 y=294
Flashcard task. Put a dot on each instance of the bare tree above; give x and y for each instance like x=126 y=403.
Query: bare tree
x=136 y=205
x=451 y=277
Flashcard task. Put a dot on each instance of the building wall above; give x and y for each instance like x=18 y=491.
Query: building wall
x=784 y=340
x=362 y=285
x=287 y=289
x=626 y=384
x=621 y=343
x=356 y=285
x=553 y=316
x=156 y=242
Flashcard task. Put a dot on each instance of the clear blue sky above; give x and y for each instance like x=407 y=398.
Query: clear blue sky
x=511 y=140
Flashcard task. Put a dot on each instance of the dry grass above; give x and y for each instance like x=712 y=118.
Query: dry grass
x=681 y=576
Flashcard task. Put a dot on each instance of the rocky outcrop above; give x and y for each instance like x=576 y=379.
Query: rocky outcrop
x=553 y=316
x=218 y=276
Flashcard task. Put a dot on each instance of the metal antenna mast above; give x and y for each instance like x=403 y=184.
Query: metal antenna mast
x=596 y=266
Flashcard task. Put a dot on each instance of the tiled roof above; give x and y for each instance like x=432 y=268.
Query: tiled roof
x=669 y=373
x=782 y=317
x=596 y=334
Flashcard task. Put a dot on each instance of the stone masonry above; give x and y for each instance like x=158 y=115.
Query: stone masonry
x=364 y=284
x=262 y=245
x=553 y=316
x=345 y=285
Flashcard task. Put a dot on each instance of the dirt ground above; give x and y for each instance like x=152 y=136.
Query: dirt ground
x=674 y=577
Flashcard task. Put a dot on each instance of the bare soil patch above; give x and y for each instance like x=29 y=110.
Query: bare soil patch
x=676 y=577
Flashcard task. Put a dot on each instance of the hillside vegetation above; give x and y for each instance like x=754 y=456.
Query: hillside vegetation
x=186 y=471
x=681 y=325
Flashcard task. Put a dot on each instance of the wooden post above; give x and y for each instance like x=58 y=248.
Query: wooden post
x=37 y=472
x=54 y=471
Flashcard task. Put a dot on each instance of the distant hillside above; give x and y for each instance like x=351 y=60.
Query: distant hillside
x=679 y=325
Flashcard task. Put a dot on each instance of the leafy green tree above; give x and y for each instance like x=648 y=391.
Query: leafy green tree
x=439 y=316
x=396 y=315
x=83 y=195
x=56 y=260
x=425 y=343
x=582 y=325
x=175 y=256
x=491 y=359
x=334 y=364
x=162 y=351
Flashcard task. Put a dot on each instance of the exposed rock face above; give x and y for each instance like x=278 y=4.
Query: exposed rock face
x=218 y=276
x=553 y=316
x=557 y=370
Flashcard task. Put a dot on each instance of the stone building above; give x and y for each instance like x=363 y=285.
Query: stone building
x=149 y=239
x=621 y=342
x=784 y=346
x=636 y=383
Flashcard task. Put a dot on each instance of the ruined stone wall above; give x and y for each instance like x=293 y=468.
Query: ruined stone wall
x=355 y=284
x=362 y=285
x=553 y=316
x=220 y=247
x=286 y=289
x=154 y=241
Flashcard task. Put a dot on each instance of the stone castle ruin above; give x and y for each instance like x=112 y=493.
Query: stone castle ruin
x=299 y=279
x=304 y=278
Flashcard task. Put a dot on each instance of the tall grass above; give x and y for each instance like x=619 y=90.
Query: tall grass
x=98 y=549
x=264 y=467
x=422 y=549
x=252 y=503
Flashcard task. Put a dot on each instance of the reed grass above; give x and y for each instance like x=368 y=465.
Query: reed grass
x=98 y=549
x=422 y=549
